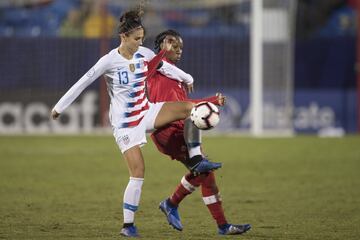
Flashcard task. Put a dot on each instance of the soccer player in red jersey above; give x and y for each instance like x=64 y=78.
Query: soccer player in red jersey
x=181 y=140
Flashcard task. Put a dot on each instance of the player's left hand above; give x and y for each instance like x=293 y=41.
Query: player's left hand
x=190 y=88
x=167 y=43
x=221 y=99
x=54 y=114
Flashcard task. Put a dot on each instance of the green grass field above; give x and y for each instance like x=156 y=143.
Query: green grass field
x=289 y=188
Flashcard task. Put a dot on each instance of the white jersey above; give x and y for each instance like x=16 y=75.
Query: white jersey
x=126 y=85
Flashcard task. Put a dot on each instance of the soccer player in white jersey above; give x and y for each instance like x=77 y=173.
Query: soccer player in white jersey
x=131 y=114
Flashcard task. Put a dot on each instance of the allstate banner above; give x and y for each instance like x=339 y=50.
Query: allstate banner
x=313 y=111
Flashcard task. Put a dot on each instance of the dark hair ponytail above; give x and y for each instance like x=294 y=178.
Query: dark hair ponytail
x=131 y=20
x=161 y=36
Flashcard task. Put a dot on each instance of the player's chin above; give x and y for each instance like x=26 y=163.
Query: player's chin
x=136 y=48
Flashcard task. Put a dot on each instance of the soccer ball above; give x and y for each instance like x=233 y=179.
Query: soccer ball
x=205 y=115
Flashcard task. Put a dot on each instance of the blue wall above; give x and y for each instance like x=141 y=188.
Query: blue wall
x=34 y=69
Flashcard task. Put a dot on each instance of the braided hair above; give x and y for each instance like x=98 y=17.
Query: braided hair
x=161 y=36
x=131 y=20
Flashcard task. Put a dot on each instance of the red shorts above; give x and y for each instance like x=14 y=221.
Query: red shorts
x=170 y=141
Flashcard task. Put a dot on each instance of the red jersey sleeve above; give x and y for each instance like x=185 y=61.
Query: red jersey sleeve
x=212 y=99
x=154 y=63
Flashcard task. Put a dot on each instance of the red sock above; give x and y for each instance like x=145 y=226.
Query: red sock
x=212 y=198
x=188 y=184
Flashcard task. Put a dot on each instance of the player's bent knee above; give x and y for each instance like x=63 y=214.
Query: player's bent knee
x=187 y=109
x=189 y=106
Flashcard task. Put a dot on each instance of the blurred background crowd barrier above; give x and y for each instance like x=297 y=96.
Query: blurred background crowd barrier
x=47 y=45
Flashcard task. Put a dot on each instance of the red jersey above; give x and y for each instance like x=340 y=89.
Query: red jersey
x=170 y=139
x=163 y=89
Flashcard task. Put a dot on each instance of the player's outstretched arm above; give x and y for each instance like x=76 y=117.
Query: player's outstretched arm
x=96 y=71
x=218 y=99
x=155 y=63
x=175 y=73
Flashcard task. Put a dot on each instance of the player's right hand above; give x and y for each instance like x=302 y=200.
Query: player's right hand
x=221 y=99
x=190 y=88
x=54 y=114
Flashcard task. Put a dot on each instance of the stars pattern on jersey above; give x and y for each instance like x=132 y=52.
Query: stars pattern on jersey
x=127 y=87
x=141 y=105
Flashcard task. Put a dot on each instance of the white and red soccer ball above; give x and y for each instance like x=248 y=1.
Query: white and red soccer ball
x=205 y=115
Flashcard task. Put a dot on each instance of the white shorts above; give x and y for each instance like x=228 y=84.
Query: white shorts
x=127 y=138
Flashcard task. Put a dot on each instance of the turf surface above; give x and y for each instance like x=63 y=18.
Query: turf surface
x=71 y=188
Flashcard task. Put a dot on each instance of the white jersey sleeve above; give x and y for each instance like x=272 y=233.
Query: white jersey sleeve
x=176 y=73
x=95 y=72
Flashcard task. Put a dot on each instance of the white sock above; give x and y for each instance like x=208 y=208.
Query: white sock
x=193 y=151
x=192 y=137
x=132 y=198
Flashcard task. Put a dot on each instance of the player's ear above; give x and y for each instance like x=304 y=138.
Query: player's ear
x=122 y=36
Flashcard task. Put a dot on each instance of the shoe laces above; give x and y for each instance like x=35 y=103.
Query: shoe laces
x=235 y=228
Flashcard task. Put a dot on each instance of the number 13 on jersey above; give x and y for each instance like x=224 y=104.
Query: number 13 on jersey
x=123 y=77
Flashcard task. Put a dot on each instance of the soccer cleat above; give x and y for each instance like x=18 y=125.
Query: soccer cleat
x=231 y=229
x=205 y=166
x=129 y=231
x=172 y=215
